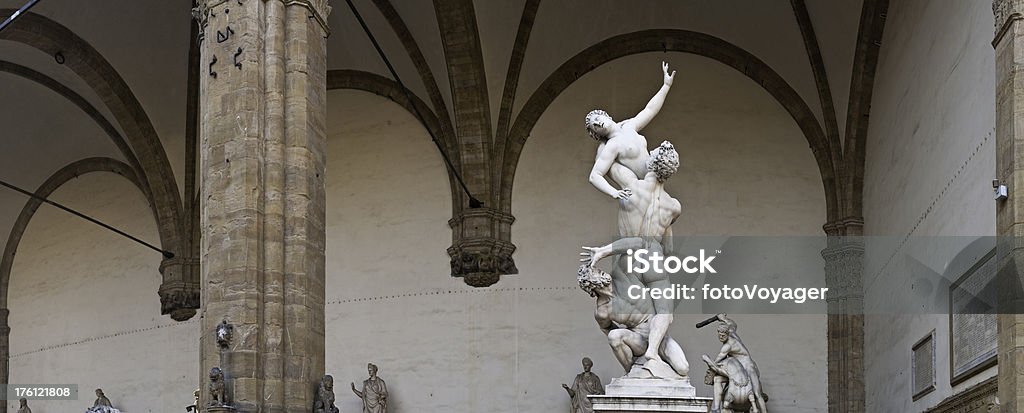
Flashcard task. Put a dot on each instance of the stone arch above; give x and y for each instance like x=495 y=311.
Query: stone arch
x=384 y=87
x=50 y=37
x=55 y=181
x=62 y=176
x=83 y=104
x=826 y=153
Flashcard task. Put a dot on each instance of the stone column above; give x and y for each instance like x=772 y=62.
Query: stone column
x=844 y=266
x=1009 y=55
x=262 y=132
x=5 y=353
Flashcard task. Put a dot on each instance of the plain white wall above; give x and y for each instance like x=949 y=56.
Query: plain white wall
x=932 y=113
x=85 y=310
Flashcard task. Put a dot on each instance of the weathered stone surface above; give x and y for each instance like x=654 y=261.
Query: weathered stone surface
x=844 y=267
x=1009 y=57
x=263 y=133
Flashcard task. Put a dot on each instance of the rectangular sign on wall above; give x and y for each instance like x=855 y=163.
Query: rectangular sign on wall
x=972 y=320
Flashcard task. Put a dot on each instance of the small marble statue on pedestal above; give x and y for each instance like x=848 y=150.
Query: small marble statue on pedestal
x=375 y=392
x=325 y=396
x=102 y=404
x=735 y=376
x=23 y=406
x=585 y=384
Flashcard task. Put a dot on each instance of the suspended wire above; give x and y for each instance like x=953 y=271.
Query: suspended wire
x=166 y=254
x=473 y=202
x=17 y=13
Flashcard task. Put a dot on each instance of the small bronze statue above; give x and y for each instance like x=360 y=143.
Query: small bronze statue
x=585 y=384
x=374 y=394
x=217 y=394
x=325 y=396
x=24 y=406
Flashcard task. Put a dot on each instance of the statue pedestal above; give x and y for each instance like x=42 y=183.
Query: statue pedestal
x=220 y=409
x=629 y=394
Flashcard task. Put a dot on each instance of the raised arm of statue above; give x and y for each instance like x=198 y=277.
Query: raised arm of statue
x=592 y=255
x=606 y=155
x=357 y=392
x=645 y=116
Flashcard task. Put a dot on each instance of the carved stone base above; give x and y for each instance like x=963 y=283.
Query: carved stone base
x=219 y=409
x=630 y=386
x=629 y=404
x=632 y=394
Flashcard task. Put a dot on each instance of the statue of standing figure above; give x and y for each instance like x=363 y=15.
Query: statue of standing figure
x=375 y=392
x=646 y=212
x=23 y=406
x=735 y=376
x=585 y=384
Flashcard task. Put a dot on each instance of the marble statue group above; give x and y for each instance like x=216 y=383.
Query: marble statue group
x=637 y=329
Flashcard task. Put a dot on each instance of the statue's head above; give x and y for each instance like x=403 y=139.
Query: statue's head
x=587 y=364
x=99 y=392
x=709 y=377
x=23 y=402
x=598 y=124
x=593 y=279
x=723 y=332
x=664 y=161
x=372 y=369
x=216 y=374
x=328 y=382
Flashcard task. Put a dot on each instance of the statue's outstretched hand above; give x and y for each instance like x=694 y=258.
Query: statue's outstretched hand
x=591 y=255
x=669 y=77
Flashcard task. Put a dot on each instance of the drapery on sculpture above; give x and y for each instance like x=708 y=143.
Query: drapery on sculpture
x=585 y=384
x=645 y=218
x=102 y=404
x=375 y=392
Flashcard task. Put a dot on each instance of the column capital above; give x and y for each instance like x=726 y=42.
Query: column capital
x=1005 y=12
x=482 y=251
x=180 y=291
